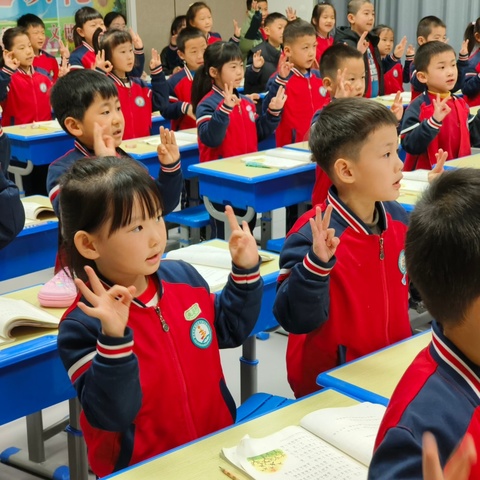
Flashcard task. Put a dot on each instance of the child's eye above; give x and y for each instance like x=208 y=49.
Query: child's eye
x=159 y=218
x=139 y=228
x=388 y=154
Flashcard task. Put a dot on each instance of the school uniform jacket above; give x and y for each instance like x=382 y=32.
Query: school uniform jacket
x=225 y=132
x=24 y=98
x=422 y=135
x=396 y=75
x=305 y=95
x=256 y=79
x=12 y=217
x=179 y=99
x=138 y=101
x=162 y=384
x=169 y=181
x=322 y=44
x=46 y=62
x=471 y=83
x=440 y=393
x=84 y=57
x=352 y=305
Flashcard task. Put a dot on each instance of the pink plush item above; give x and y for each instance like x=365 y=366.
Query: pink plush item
x=59 y=292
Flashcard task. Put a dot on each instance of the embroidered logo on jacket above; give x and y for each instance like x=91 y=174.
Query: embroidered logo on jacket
x=402 y=266
x=139 y=101
x=43 y=87
x=395 y=73
x=192 y=313
x=201 y=333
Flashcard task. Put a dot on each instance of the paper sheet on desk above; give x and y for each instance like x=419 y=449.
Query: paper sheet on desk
x=53 y=124
x=272 y=162
x=291 y=154
x=156 y=141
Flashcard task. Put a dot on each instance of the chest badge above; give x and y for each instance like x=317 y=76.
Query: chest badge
x=192 y=313
x=201 y=333
x=323 y=91
x=402 y=266
x=139 y=101
x=395 y=73
x=43 y=87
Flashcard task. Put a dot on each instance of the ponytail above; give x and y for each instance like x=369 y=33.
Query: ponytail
x=470 y=31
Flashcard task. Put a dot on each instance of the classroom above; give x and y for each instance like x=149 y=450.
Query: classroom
x=226 y=236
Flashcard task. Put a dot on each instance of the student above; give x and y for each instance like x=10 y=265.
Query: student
x=24 y=89
x=432 y=29
x=115 y=20
x=397 y=75
x=35 y=29
x=437 y=118
x=191 y=43
x=439 y=392
x=342 y=290
x=253 y=28
x=471 y=84
x=323 y=19
x=171 y=62
x=302 y=84
x=137 y=99
x=263 y=59
x=199 y=16
x=12 y=218
x=141 y=342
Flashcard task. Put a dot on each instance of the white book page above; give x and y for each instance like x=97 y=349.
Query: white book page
x=412 y=186
x=272 y=162
x=203 y=255
x=420 y=175
x=293 y=453
x=215 y=277
x=350 y=429
x=299 y=155
x=181 y=143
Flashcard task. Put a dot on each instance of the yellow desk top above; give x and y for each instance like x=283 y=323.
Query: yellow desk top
x=298 y=146
x=380 y=372
x=148 y=145
x=201 y=459
x=34 y=129
x=387 y=100
x=471 y=161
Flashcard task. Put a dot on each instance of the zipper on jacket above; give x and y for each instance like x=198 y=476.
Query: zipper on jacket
x=382 y=252
x=165 y=326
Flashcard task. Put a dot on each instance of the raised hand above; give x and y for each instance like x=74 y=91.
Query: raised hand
x=400 y=48
x=441 y=157
x=137 y=41
x=464 y=48
x=254 y=97
x=237 y=31
x=10 y=61
x=291 y=14
x=63 y=50
x=168 y=152
x=155 y=61
x=284 y=66
x=410 y=51
x=325 y=242
x=363 y=43
x=278 y=101
x=101 y=63
x=440 y=108
x=242 y=244
x=254 y=6
x=258 y=61
x=110 y=306
x=397 y=106
x=103 y=144
x=344 y=87
x=230 y=99
x=64 y=67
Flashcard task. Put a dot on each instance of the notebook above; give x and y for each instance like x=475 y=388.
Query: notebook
x=38 y=210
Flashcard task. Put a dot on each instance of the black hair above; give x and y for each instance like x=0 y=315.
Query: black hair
x=111 y=16
x=111 y=39
x=249 y=3
x=355 y=5
x=271 y=17
x=425 y=26
x=427 y=51
x=177 y=24
x=378 y=29
x=442 y=248
x=334 y=56
x=192 y=11
x=8 y=39
x=82 y=16
x=295 y=29
x=216 y=55
x=343 y=127
x=472 y=29
x=30 y=20
x=114 y=183
x=73 y=93
x=188 y=33
x=317 y=11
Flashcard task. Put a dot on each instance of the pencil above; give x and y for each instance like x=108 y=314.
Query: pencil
x=228 y=474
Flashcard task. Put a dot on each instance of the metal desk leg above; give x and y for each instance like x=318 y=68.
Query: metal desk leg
x=77 y=450
x=248 y=369
x=266 y=232
x=19 y=172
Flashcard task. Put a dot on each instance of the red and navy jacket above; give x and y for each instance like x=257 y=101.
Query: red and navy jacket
x=213 y=37
x=351 y=306
x=256 y=79
x=46 y=62
x=12 y=218
x=397 y=75
x=439 y=393
x=169 y=181
x=138 y=101
x=322 y=44
x=418 y=87
x=180 y=98
x=225 y=132
x=84 y=57
x=24 y=97
x=162 y=384
x=305 y=95
x=422 y=135
x=471 y=83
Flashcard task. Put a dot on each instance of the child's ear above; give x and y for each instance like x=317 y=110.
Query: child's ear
x=73 y=126
x=421 y=77
x=351 y=18
x=287 y=51
x=328 y=83
x=213 y=72
x=343 y=170
x=421 y=40
x=181 y=55
x=80 y=31
x=85 y=244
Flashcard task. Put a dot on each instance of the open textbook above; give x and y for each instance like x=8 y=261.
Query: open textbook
x=19 y=313
x=38 y=209
x=212 y=263
x=331 y=443
x=282 y=158
x=415 y=182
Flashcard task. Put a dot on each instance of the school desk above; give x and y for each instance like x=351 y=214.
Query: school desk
x=201 y=459
x=470 y=161
x=230 y=181
x=373 y=378
x=298 y=146
x=34 y=377
x=387 y=100
x=157 y=122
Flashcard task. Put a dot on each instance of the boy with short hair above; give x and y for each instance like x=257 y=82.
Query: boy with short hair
x=433 y=29
x=440 y=391
x=263 y=59
x=35 y=29
x=252 y=32
x=342 y=290
x=191 y=44
x=437 y=119
x=303 y=85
